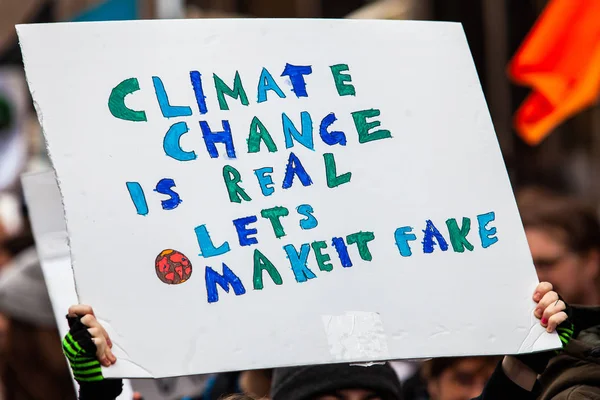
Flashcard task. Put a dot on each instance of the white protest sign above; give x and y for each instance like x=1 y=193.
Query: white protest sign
x=255 y=193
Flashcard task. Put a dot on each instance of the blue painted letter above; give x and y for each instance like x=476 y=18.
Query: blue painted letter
x=264 y=180
x=342 y=250
x=310 y=221
x=289 y=131
x=164 y=186
x=137 y=196
x=486 y=234
x=333 y=137
x=298 y=262
x=210 y=138
x=294 y=167
x=402 y=236
x=172 y=146
x=207 y=248
x=296 y=74
x=430 y=232
x=266 y=82
x=213 y=278
x=196 y=79
x=168 y=111
x=243 y=232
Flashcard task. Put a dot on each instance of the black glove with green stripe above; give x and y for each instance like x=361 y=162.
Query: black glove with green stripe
x=80 y=350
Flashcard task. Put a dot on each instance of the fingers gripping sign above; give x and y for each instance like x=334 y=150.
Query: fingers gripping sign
x=547 y=301
x=541 y=289
x=554 y=315
x=87 y=345
x=551 y=309
x=79 y=310
x=101 y=340
x=83 y=311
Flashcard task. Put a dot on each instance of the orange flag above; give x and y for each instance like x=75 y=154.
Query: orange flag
x=560 y=60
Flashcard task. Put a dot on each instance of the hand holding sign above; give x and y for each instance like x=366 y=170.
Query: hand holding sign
x=97 y=332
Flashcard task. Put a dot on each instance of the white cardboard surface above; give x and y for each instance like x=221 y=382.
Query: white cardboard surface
x=441 y=162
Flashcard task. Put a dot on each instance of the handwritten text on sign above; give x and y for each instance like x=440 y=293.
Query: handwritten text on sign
x=174 y=267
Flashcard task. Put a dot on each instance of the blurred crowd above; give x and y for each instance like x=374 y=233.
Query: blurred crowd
x=563 y=232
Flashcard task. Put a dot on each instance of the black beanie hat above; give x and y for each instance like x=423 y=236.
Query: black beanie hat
x=305 y=383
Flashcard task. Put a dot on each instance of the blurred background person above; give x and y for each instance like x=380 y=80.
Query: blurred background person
x=461 y=378
x=564 y=238
x=457 y=378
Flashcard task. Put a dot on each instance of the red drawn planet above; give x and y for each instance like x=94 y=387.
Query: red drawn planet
x=173 y=267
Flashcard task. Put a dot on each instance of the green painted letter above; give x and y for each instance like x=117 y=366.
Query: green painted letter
x=361 y=239
x=322 y=259
x=343 y=89
x=333 y=179
x=232 y=178
x=273 y=215
x=458 y=236
x=237 y=91
x=363 y=127
x=116 y=101
x=262 y=263
x=259 y=132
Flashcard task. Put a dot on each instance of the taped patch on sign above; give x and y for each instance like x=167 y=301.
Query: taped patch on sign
x=356 y=335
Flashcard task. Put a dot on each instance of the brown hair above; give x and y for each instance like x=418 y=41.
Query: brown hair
x=238 y=397
x=573 y=221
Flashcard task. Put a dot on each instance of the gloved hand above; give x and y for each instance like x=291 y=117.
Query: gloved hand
x=82 y=353
x=80 y=350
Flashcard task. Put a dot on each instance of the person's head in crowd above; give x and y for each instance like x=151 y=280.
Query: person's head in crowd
x=564 y=239
x=336 y=382
x=458 y=378
x=34 y=366
x=256 y=382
